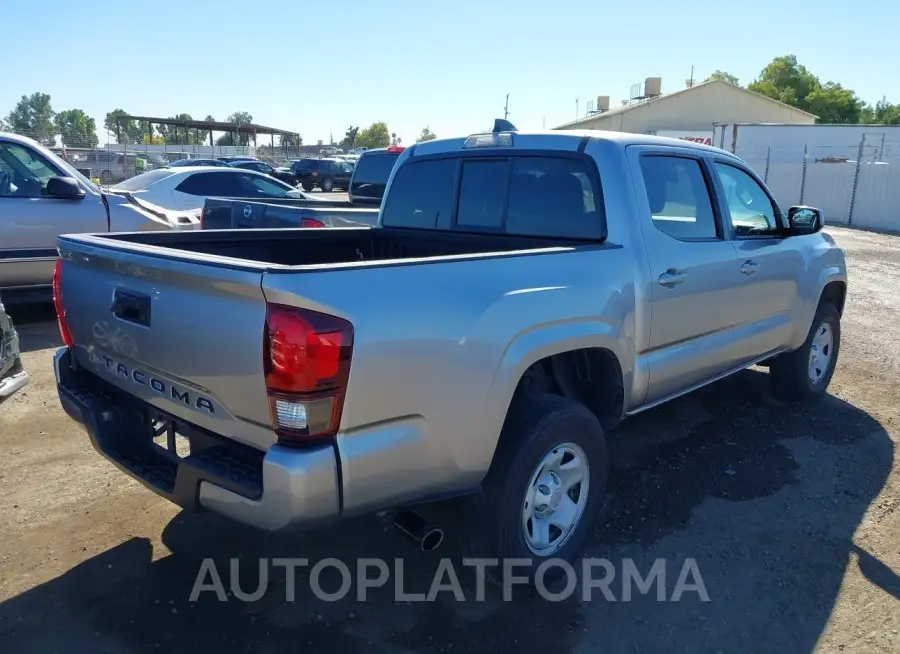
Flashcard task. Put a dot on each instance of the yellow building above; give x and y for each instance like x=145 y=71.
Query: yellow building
x=696 y=108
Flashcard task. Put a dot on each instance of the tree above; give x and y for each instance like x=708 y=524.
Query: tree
x=721 y=75
x=76 y=128
x=291 y=140
x=785 y=80
x=179 y=135
x=426 y=135
x=883 y=113
x=156 y=140
x=832 y=103
x=375 y=135
x=349 y=140
x=125 y=131
x=395 y=140
x=207 y=135
x=241 y=118
x=33 y=116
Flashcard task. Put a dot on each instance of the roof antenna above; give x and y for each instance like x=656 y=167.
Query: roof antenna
x=503 y=125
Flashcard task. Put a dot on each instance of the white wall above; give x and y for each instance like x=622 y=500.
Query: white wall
x=830 y=153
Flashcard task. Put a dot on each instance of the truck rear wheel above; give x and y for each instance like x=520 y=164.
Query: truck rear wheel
x=327 y=185
x=307 y=187
x=806 y=372
x=544 y=491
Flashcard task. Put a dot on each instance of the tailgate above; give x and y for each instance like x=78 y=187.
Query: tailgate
x=183 y=335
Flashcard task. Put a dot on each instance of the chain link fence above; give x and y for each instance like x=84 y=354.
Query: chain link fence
x=111 y=163
x=853 y=185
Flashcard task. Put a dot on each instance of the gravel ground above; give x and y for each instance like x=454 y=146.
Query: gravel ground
x=791 y=514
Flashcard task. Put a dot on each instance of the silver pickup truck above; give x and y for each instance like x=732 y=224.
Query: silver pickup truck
x=43 y=196
x=519 y=296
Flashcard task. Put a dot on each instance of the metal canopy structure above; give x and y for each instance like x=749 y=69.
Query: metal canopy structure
x=212 y=126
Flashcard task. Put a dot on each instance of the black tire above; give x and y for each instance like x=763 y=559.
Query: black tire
x=789 y=372
x=535 y=425
x=327 y=185
x=307 y=187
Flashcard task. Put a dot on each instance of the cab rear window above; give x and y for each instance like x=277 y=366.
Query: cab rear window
x=528 y=196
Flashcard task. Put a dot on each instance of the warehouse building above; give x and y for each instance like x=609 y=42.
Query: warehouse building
x=696 y=109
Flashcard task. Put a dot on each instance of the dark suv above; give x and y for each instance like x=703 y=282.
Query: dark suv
x=371 y=174
x=327 y=174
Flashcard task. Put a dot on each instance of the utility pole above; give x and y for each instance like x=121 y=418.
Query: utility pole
x=506 y=108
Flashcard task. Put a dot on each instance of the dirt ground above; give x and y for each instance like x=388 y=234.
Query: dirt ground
x=791 y=513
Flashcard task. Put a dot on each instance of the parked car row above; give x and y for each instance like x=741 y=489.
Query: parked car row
x=44 y=196
x=542 y=288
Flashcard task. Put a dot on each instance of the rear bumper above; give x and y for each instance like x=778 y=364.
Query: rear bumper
x=283 y=488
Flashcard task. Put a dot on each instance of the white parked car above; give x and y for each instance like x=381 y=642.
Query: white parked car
x=185 y=189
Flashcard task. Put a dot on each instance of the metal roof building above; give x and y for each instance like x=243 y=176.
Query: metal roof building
x=696 y=108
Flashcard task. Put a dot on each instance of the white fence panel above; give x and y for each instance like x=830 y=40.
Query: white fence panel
x=877 y=204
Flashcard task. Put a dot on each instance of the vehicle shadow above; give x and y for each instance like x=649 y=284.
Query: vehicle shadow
x=764 y=497
x=36 y=324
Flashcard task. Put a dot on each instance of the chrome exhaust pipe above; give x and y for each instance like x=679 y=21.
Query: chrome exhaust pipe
x=419 y=529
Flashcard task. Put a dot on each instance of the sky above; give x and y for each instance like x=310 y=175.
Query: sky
x=319 y=67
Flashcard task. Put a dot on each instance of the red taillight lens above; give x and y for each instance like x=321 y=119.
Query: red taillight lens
x=307 y=366
x=395 y=148
x=64 y=330
x=311 y=222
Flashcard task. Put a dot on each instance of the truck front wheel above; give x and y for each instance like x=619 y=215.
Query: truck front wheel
x=806 y=372
x=543 y=494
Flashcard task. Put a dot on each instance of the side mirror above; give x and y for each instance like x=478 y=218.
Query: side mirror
x=64 y=188
x=805 y=220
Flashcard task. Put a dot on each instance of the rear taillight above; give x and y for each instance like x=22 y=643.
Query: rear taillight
x=395 y=148
x=311 y=222
x=306 y=358
x=64 y=330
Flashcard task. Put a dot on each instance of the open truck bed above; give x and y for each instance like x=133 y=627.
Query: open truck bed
x=324 y=248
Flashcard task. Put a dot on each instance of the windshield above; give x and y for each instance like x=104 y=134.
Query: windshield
x=143 y=180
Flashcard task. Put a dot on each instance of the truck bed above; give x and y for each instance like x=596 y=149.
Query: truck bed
x=327 y=247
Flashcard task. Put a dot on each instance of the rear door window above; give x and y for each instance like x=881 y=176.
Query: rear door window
x=421 y=194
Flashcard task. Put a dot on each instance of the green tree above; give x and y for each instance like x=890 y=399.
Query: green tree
x=291 y=140
x=76 y=128
x=124 y=131
x=33 y=116
x=426 y=135
x=883 y=113
x=178 y=135
x=349 y=140
x=241 y=118
x=721 y=75
x=395 y=140
x=208 y=133
x=786 y=80
x=832 y=103
x=375 y=135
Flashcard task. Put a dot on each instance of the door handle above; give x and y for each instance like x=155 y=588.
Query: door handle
x=749 y=267
x=671 y=278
